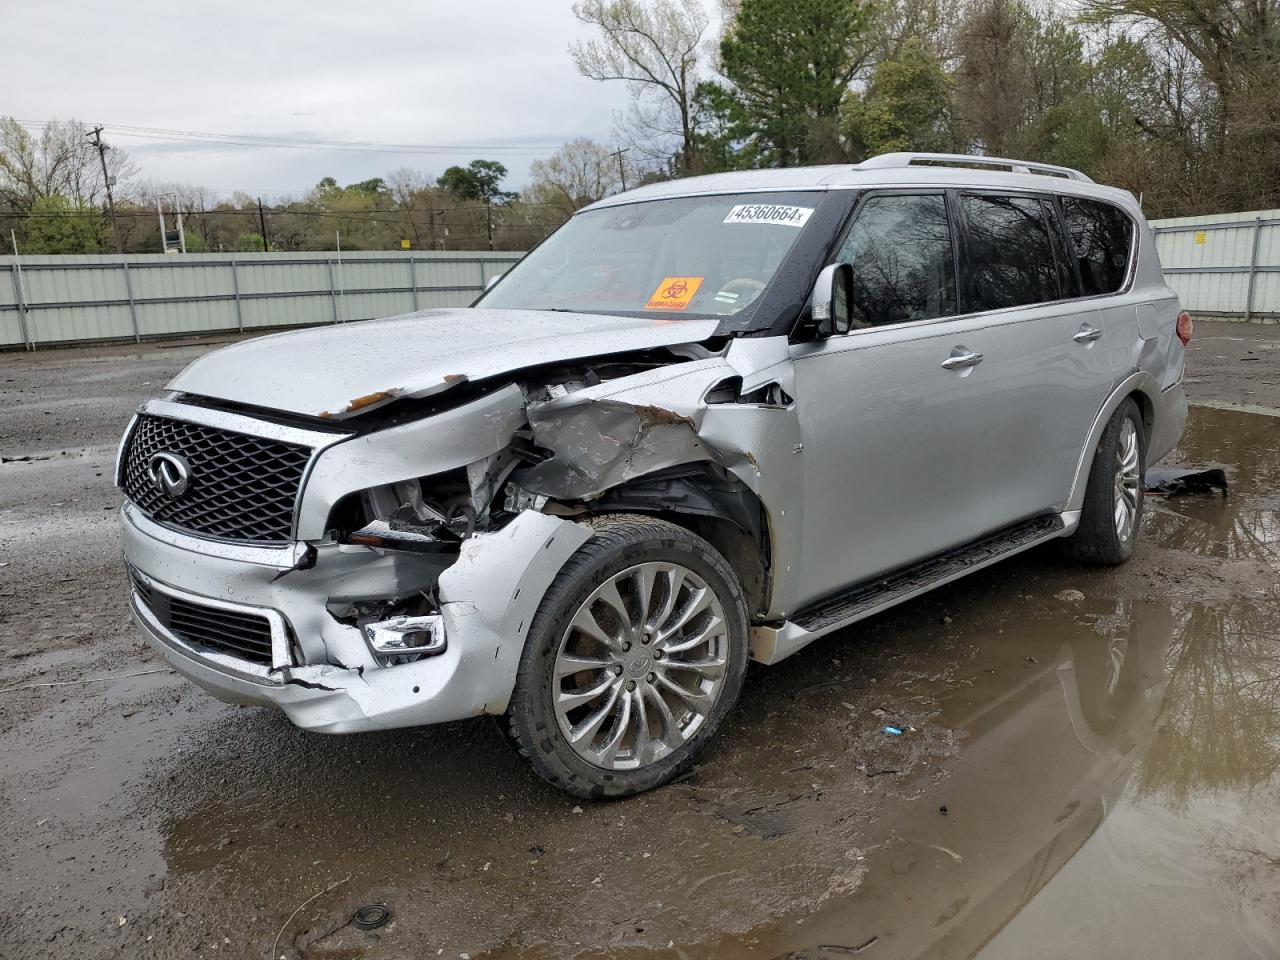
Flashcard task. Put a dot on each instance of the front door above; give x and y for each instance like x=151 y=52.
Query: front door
x=891 y=413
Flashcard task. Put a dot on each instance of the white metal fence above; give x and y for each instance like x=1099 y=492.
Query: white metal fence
x=48 y=300
x=1224 y=265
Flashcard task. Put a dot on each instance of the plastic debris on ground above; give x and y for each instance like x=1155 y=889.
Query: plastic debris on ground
x=1172 y=481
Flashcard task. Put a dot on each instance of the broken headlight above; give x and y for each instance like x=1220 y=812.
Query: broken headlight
x=430 y=514
x=402 y=516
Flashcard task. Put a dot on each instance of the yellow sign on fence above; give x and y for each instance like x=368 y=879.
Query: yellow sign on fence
x=1201 y=237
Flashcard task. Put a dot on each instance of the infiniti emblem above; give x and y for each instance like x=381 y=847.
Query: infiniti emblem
x=170 y=474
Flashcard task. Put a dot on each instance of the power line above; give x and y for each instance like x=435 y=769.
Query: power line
x=298 y=143
x=369 y=214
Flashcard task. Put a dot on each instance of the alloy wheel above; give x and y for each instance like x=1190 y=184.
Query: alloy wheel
x=640 y=665
x=1127 y=481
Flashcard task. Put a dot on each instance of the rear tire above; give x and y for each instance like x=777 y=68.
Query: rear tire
x=635 y=656
x=1113 y=498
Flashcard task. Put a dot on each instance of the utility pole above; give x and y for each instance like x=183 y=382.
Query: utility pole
x=622 y=170
x=488 y=211
x=262 y=222
x=106 y=180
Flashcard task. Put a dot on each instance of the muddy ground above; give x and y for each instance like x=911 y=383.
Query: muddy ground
x=1088 y=768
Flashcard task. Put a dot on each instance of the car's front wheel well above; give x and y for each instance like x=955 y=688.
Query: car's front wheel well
x=713 y=504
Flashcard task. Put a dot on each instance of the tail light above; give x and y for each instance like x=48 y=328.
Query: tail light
x=1184 y=327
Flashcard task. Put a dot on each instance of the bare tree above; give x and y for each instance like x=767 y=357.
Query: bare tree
x=654 y=48
x=995 y=78
x=931 y=24
x=415 y=193
x=1235 y=42
x=579 y=173
x=59 y=162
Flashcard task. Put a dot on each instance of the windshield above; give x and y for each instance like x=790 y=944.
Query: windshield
x=688 y=256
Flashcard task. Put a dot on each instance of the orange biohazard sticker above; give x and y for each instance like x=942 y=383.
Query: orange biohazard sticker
x=674 y=293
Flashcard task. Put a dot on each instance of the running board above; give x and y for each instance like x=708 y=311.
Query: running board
x=771 y=644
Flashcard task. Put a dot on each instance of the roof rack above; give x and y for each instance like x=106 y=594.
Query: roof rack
x=965 y=160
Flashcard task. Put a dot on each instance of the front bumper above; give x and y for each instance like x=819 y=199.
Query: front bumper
x=330 y=681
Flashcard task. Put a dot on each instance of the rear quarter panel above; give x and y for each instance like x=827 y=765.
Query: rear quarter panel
x=1159 y=352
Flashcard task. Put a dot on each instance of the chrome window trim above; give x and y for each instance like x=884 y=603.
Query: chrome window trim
x=280 y=657
x=282 y=557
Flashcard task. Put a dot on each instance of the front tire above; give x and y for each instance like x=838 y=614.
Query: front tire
x=1113 y=498
x=636 y=654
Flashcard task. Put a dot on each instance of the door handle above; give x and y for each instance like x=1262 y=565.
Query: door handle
x=958 y=361
x=1087 y=334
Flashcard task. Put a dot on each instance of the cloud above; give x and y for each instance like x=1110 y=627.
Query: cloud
x=483 y=72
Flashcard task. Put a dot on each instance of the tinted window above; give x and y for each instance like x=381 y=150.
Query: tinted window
x=1010 y=257
x=1101 y=235
x=900 y=249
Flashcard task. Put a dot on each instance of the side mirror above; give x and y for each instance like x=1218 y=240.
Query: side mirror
x=488 y=284
x=833 y=300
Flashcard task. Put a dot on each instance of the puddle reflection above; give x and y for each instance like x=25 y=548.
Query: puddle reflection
x=1223 y=530
x=1221 y=727
x=1184 y=862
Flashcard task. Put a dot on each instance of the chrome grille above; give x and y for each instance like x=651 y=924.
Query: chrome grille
x=242 y=487
x=245 y=636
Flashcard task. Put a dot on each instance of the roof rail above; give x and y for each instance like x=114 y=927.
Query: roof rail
x=963 y=159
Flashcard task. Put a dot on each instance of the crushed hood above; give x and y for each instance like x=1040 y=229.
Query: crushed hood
x=337 y=371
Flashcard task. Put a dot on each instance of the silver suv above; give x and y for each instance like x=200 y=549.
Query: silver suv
x=705 y=421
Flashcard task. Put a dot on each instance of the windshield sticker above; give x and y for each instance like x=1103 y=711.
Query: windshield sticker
x=769 y=213
x=674 y=293
x=726 y=296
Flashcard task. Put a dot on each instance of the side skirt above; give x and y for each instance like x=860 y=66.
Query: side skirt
x=862 y=600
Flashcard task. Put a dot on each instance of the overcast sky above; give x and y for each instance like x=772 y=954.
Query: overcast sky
x=480 y=73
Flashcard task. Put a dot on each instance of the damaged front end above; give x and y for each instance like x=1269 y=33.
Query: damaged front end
x=425 y=532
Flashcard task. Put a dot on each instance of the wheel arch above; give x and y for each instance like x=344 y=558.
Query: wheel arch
x=1144 y=390
x=1146 y=407
x=712 y=503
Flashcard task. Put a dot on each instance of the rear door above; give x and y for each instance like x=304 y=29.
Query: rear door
x=1102 y=242
x=1056 y=364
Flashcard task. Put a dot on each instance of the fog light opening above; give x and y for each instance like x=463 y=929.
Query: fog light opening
x=406 y=639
